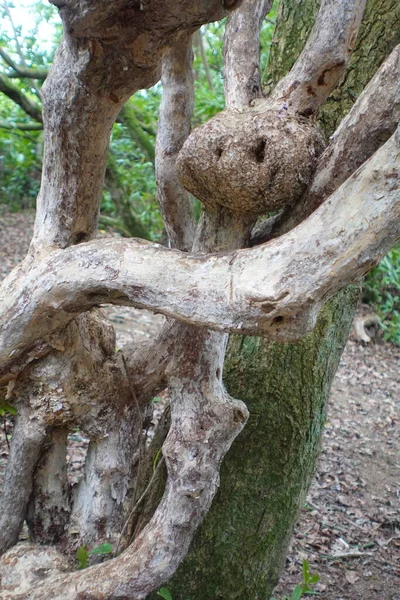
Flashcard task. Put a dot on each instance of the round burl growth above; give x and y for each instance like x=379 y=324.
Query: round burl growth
x=250 y=162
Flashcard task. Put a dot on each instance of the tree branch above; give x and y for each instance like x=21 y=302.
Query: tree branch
x=371 y=121
x=242 y=53
x=26 y=446
x=21 y=126
x=16 y=95
x=22 y=71
x=174 y=124
x=319 y=67
x=259 y=291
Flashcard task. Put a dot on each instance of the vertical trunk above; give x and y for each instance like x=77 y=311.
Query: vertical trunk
x=240 y=549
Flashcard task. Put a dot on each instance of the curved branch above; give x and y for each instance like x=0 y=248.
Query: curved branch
x=14 y=93
x=275 y=290
x=371 y=121
x=319 y=67
x=22 y=71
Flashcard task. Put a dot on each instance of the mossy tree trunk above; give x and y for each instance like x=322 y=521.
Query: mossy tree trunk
x=240 y=550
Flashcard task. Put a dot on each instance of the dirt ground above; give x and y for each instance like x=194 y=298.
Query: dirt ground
x=349 y=529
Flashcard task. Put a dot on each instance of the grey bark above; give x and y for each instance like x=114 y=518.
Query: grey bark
x=240 y=549
x=69 y=358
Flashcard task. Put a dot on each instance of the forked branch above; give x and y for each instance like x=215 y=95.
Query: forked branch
x=276 y=289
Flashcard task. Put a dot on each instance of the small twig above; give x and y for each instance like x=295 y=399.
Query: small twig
x=144 y=494
x=5 y=432
x=346 y=555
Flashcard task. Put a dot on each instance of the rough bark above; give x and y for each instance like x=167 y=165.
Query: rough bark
x=242 y=64
x=174 y=124
x=240 y=548
x=227 y=292
x=68 y=359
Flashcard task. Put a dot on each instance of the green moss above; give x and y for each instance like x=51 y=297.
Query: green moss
x=239 y=551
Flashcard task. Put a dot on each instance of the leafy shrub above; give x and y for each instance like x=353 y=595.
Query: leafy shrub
x=382 y=293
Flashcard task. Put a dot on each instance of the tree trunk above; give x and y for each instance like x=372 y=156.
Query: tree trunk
x=239 y=551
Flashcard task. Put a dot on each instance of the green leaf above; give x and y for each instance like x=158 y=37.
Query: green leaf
x=82 y=556
x=7 y=408
x=102 y=549
x=297 y=592
x=314 y=578
x=165 y=593
x=306 y=571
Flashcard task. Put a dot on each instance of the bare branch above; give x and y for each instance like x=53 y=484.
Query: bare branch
x=319 y=67
x=16 y=95
x=259 y=291
x=22 y=71
x=174 y=123
x=242 y=53
x=369 y=124
x=21 y=126
x=371 y=121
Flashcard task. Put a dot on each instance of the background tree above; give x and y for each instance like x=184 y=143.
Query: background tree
x=78 y=378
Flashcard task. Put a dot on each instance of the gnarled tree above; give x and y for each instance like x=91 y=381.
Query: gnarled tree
x=332 y=221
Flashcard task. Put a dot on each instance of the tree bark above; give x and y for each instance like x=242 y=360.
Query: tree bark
x=240 y=549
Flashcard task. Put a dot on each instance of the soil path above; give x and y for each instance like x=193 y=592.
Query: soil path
x=349 y=529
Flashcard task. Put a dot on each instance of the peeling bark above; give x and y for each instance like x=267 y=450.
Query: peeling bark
x=27 y=443
x=242 y=53
x=49 y=506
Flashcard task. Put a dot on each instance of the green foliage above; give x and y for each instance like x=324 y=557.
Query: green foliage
x=83 y=554
x=164 y=593
x=7 y=409
x=306 y=587
x=82 y=557
x=382 y=292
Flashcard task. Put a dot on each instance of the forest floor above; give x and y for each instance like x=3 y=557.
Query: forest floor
x=349 y=528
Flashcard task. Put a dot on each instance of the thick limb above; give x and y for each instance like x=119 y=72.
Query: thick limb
x=319 y=67
x=246 y=291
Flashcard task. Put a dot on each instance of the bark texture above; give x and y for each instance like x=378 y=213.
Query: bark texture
x=57 y=353
x=240 y=549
